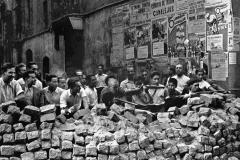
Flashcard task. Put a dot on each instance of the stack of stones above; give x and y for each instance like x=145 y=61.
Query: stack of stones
x=207 y=128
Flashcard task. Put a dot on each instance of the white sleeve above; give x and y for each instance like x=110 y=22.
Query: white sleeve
x=63 y=99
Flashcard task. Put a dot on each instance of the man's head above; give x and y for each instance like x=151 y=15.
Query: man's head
x=145 y=74
x=193 y=85
x=29 y=78
x=62 y=83
x=179 y=70
x=8 y=72
x=100 y=69
x=171 y=70
x=91 y=81
x=200 y=74
x=74 y=86
x=172 y=83
x=33 y=66
x=21 y=69
x=112 y=82
x=130 y=73
x=79 y=73
x=155 y=78
x=52 y=82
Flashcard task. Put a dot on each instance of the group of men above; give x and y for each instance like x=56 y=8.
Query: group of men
x=24 y=85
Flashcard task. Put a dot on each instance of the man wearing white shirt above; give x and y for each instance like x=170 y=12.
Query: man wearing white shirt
x=181 y=78
x=91 y=91
x=203 y=85
x=100 y=76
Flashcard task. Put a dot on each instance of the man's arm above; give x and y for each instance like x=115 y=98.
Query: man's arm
x=63 y=102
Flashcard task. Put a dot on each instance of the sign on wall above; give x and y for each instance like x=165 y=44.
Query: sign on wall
x=140 y=12
x=219 y=65
x=162 y=8
x=215 y=42
x=129 y=42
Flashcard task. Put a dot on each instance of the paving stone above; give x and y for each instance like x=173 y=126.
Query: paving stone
x=20 y=148
x=13 y=110
x=113 y=147
x=143 y=140
x=81 y=113
x=120 y=136
x=79 y=150
x=207 y=156
x=55 y=154
x=46 y=134
x=66 y=155
x=27 y=156
x=184 y=109
x=103 y=148
x=134 y=146
x=158 y=144
x=123 y=148
x=5 y=128
x=203 y=131
x=14 y=158
x=5 y=105
x=32 y=135
x=46 y=145
x=46 y=125
x=91 y=149
x=67 y=145
x=204 y=111
x=67 y=136
x=7 y=150
x=61 y=118
x=182 y=148
x=131 y=117
x=33 y=146
x=18 y=127
x=102 y=157
x=79 y=139
x=24 y=118
x=113 y=116
x=113 y=157
x=132 y=155
x=48 y=109
x=6 y=118
x=55 y=141
x=40 y=155
x=31 y=110
x=88 y=139
x=31 y=127
x=50 y=117
x=8 y=138
x=131 y=134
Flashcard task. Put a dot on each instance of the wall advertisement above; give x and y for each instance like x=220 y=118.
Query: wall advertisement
x=215 y=42
x=130 y=42
x=162 y=8
x=120 y=16
x=117 y=46
x=219 y=65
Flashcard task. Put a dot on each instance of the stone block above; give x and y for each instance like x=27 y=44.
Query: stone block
x=187 y=157
x=31 y=111
x=113 y=147
x=79 y=150
x=32 y=135
x=221 y=142
x=103 y=148
x=20 y=136
x=46 y=145
x=40 y=155
x=205 y=122
x=158 y=144
x=192 y=119
x=204 y=111
x=184 y=109
x=46 y=134
x=78 y=158
x=207 y=156
x=149 y=148
x=61 y=118
x=81 y=113
x=123 y=148
x=5 y=105
x=143 y=140
x=50 y=117
x=123 y=157
x=163 y=117
x=14 y=158
x=24 y=118
x=27 y=156
x=113 y=116
x=66 y=155
x=113 y=157
x=82 y=130
x=120 y=136
x=202 y=130
x=67 y=145
x=7 y=150
x=203 y=139
x=117 y=109
x=8 y=138
x=55 y=141
x=20 y=148
x=91 y=149
x=79 y=139
x=132 y=156
x=88 y=139
x=134 y=146
x=5 y=128
x=48 y=109
x=13 y=110
x=141 y=155
x=199 y=156
x=131 y=134
x=67 y=136
x=31 y=127
x=131 y=117
x=182 y=148
x=55 y=154
x=33 y=146
x=18 y=127
x=6 y=118
x=102 y=157
x=46 y=125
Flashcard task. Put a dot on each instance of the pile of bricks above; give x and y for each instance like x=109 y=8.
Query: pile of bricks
x=206 y=128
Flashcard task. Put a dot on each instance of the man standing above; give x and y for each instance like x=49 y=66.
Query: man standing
x=9 y=88
x=181 y=78
x=91 y=91
x=71 y=99
x=100 y=76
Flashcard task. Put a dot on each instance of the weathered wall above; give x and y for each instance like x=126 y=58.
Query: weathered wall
x=42 y=46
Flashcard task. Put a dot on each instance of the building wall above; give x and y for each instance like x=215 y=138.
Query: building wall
x=43 y=45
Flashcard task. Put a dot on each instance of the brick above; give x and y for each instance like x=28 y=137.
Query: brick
x=48 y=109
x=27 y=156
x=182 y=148
x=103 y=148
x=33 y=146
x=40 y=155
x=102 y=157
x=131 y=117
x=132 y=156
x=134 y=146
x=61 y=118
x=8 y=138
x=149 y=148
x=123 y=157
x=7 y=150
x=67 y=136
x=14 y=110
x=46 y=125
x=6 y=118
x=20 y=148
x=203 y=131
x=18 y=127
x=199 y=156
x=67 y=145
x=163 y=117
x=66 y=155
x=46 y=134
x=14 y=158
x=113 y=147
x=91 y=149
x=207 y=156
x=131 y=134
x=55 y=154
x=88 y=139
x=46 y=145
x=32 y=135
x=143 y=140
x=158 y=144
x=31 y=127
x=81 y=113
x=79 y=139
x=50 y=117
x=24 y=118
x=31 y=111
x=5 y=105
x=120 y=136
x=82 y=130
x=79 y=150
x=123 y=148
x=5 y=128
x=55 y=141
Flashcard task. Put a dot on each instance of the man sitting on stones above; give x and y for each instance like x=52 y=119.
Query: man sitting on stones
x=33 y=95
x=170 y=90
x=203 y=85
x=71 y=99
x=10 y=89
x=91 y=91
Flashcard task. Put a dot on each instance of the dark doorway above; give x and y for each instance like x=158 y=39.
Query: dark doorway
x=29 y=56
x=45 y=66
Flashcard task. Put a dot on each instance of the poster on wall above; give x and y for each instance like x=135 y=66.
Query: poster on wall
x=181 y=6
x=143 y=40
x=162 y=8
x=159 y=36
x=215 y=42
x=130 y=42
x=177 y=33
x=197 y=41
x=140 y=12
x=232 y=57
x=120 y=16
x=234 y=38
x=219 y=65
x=117 y=46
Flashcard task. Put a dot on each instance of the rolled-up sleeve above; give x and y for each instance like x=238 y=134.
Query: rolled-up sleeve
x=18 y=88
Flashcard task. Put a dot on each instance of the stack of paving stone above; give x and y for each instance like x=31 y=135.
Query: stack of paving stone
x=206 y=128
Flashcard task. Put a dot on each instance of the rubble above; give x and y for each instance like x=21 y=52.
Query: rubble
x=207 y=127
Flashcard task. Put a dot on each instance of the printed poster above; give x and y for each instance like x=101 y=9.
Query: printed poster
x=177 y=33
x=232 y=56
x=181 y=6
x=215 y=42
x=121 y=16
x=162 y=8
x=130 y=42
x=234 y=38
x=117 y=46
x=159 y=36
x=219 y=65
x=140 y=12
x=143 y=40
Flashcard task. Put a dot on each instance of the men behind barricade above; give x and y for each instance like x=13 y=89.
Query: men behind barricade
x=181 y=78
x=71 y=99
x=203 y=85
x=170 y=90
x=33 y=66
x=52 y=92
x=91 y=91
x=32 y=94
x=20 y=70
x=62 y=82
x=101 y=77
x=10 y=89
